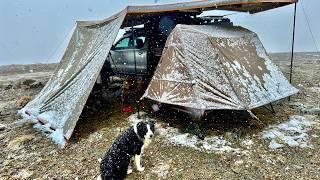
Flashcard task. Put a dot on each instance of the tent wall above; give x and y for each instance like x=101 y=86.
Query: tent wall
x=60 y=103
x=216 y=67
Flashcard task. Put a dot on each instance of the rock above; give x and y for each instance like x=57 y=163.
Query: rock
x=23 y=174
x=94 y=137
x=295 y=104
x=297 y=167
x=236 y=169
x=311 y=111
x=28 y=82
x=247 y=143
x=194 y=128
x=68 y=171
x=23 y=101
x=231 y=137
x=239 y=162
x=282 y=159
x=237 y=166
x=201 y=135
x=46 y=176
x=36 y=84
x=162 y=169
x=19 y=141
x=2 y=127
x=9 y=86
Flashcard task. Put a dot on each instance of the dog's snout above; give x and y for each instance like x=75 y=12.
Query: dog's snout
x=151 y=135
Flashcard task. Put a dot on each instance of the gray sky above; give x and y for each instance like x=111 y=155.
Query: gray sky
x=36 y=31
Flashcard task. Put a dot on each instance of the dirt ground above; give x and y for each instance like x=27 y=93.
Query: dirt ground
x=28 y=154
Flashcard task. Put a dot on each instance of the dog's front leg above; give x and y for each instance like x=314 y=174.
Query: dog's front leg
x=137 y=159
x=130 y=167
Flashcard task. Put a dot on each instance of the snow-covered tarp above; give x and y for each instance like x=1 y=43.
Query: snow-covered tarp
x=56 y=109
x=216 y=67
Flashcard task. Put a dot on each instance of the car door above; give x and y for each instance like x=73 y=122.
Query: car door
x=140 y=55
x=121 y=53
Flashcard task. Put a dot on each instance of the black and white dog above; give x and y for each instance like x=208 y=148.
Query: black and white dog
x=115 y=164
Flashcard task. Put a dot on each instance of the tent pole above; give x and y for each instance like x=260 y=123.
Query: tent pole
x=134 y=53
x=272 y=109
x=135 y=71
x=293 y=35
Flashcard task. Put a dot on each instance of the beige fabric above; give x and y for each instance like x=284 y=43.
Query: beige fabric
x=61 y=101
x=139 y=12
x=216 y=67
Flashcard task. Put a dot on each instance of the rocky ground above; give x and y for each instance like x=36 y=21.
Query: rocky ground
x=286 y=147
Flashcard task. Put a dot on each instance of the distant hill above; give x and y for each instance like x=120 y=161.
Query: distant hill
x=278 y=58
x=26 y=68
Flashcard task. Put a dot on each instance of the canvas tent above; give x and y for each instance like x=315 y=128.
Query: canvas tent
x=208 y=67
x=56 y=109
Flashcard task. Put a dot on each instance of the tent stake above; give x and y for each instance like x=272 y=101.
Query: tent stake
x=293 y=35
x=256 y=118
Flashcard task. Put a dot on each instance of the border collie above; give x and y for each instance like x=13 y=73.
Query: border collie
x=115 y=164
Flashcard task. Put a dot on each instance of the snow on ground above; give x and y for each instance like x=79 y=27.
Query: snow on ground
x=306 y=108
x=293 y=133
x=210 y=144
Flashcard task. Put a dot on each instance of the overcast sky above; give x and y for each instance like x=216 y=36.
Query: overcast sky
x=36 y=31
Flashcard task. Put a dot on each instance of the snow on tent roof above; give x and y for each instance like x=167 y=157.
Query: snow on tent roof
x=56 y=109
x=210 y=67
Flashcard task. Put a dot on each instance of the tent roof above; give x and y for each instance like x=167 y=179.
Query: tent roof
x=139 y=12
x=209 y=67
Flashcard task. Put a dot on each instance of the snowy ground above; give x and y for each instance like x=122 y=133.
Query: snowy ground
x=286 y=148
x=210 y=144
x=293 y=132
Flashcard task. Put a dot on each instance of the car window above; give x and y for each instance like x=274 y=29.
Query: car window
x=141 y=37
x=124 y=43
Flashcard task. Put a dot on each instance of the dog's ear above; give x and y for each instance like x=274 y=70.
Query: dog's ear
x=152 y=125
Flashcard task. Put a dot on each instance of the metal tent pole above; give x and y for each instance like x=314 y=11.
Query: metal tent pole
x=135 y=70
x=293 y=35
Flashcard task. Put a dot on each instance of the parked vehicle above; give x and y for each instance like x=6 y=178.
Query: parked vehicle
x=129 y=54
x=139 y=50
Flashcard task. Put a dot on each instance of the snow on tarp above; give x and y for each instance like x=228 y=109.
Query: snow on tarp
x=216 y=67
x=59 y=104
